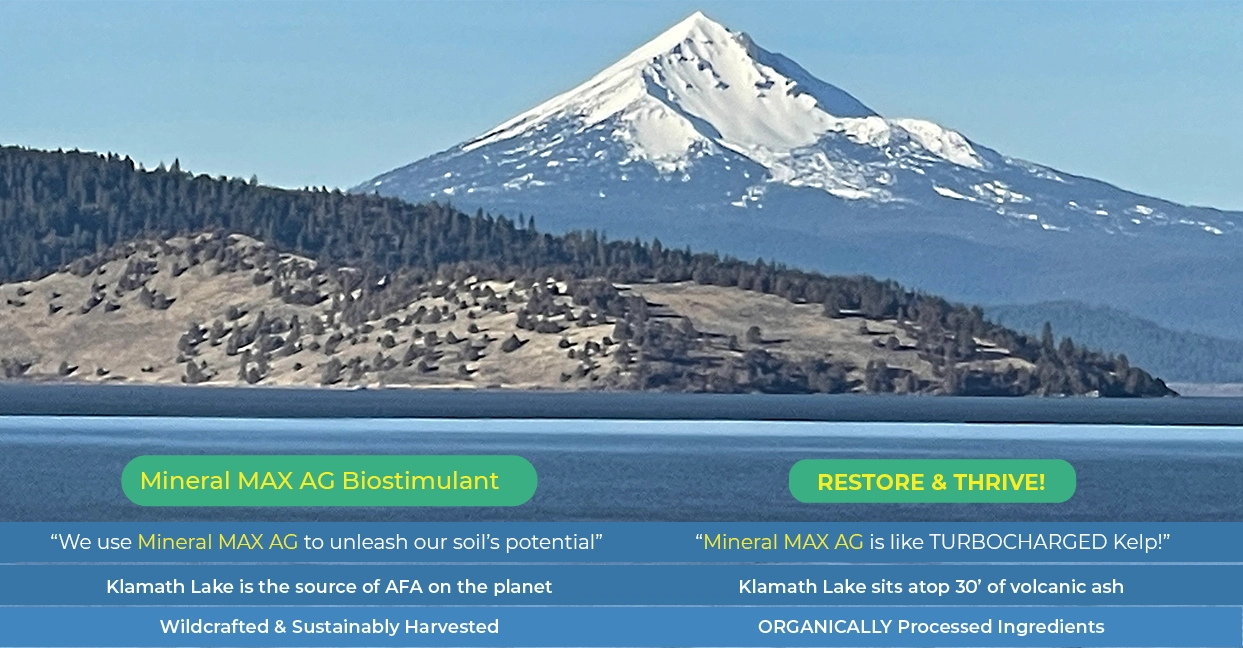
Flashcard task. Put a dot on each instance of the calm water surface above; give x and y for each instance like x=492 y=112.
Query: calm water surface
x=68 y=468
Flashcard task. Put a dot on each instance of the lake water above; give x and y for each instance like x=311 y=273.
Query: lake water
x=68 y=468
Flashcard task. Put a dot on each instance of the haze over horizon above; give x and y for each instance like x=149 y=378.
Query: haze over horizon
x=330 y=94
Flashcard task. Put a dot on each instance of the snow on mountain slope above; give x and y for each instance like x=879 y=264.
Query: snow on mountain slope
x=705 y=106
x=696 y=83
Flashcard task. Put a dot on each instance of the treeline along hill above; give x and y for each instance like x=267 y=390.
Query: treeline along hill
x=74 y=212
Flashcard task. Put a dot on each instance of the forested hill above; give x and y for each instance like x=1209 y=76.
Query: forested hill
x=59 y=207
x=1179 y=356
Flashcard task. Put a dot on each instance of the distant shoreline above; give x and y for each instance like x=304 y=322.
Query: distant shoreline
x=1208 y=390
x=35 y=399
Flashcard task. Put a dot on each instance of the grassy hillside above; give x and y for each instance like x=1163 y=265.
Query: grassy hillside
x=173 y=247
x=231 y=310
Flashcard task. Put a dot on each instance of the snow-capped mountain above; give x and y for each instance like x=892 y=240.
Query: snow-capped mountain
x=702 y=137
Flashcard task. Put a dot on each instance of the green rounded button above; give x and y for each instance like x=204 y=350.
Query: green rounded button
x=329 y=480
x=910 y=481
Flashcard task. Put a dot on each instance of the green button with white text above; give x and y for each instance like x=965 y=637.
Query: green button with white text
x=329 y=480
x=929 y=481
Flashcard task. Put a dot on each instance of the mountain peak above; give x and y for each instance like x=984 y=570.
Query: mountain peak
x=696 y=88
x=697 y=19
x=696 y=27
x=705 y=107
x=701 y=136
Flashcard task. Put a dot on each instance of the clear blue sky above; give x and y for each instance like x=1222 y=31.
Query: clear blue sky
x=1147 y=95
